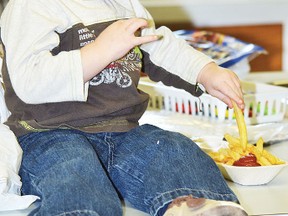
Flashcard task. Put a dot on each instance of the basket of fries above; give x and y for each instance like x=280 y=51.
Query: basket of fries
x=245 y=163
x=264 y=103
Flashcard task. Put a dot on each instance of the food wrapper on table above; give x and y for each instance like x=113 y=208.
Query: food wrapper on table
x=226 y=51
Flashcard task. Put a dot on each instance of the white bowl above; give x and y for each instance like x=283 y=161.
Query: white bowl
x=210 y=143
x=250 y=175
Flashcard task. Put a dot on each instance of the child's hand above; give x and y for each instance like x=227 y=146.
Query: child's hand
x=112 y=44
x=121 y=36
x=221 y=83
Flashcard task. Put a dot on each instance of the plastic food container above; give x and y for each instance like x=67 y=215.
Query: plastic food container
x=264 y=103
x=243 y=175
x=250 y=175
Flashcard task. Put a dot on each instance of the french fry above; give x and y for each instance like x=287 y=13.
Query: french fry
x=230 y=162
x=238 y=150
x=233 y=141
x=272 y=158
x=259 y=144
x=241 y=125
x=264 y=162
x=256 y=152
x=233 y=154
x=218 y=157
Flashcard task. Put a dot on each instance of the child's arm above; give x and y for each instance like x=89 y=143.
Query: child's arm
x=171 y=59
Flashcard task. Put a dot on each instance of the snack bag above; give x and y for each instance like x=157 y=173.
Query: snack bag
x=226 y=51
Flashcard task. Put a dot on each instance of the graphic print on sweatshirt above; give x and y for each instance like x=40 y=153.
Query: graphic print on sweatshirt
x=118 y=71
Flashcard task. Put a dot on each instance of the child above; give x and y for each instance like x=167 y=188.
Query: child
x=71 y=70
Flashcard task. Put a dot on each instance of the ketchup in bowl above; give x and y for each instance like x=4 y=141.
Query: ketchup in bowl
x=248 y=161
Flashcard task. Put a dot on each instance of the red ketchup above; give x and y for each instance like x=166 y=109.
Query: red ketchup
x=248 y=160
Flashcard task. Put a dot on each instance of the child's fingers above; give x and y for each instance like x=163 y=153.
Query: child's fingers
x=238 y=94
x=227 y=94
x=222 y=97
x=134 y=24
x=146 y=39
x=233 y=89
x=234 y=94
x=237 y=83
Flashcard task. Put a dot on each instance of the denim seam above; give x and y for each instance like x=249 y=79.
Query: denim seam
x=128 y=171
x=111 y=147
x=77 y=212
x=33 y=180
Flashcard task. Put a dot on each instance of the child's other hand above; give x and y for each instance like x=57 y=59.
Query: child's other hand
x=221 y=83
x=112 y=44
x=121 y=36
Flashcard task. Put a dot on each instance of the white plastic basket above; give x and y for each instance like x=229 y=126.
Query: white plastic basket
x=264 y=103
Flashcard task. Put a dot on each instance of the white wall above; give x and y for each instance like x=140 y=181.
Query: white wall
x=223 y=13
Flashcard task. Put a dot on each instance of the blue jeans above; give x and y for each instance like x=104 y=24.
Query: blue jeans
x=77 y=173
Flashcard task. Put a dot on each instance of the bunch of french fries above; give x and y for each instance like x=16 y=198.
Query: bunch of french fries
x=239 y=147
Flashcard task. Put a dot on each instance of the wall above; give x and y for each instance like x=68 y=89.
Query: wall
x=264 y=22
